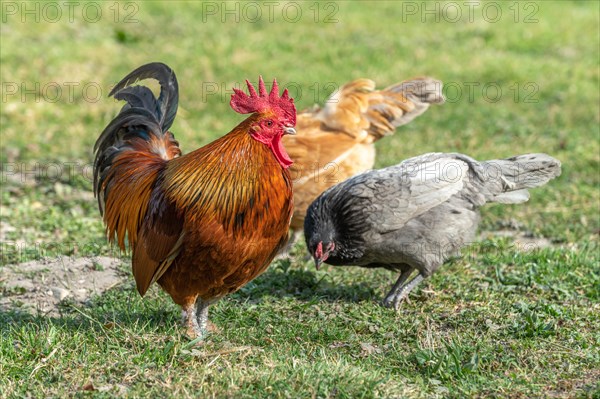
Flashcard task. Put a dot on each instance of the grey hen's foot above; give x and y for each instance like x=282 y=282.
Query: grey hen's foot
x=390 y=299
x=401 y=291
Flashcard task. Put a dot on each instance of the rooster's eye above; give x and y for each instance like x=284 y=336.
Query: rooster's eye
x=269 y=123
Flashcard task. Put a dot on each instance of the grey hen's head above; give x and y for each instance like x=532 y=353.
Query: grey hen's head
x=333 y=229
x=320 y=232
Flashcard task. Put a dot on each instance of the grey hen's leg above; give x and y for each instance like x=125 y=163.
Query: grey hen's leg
x=389 y=299
x=400 y=290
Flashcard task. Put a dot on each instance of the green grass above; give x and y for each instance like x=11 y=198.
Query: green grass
x=497 y=322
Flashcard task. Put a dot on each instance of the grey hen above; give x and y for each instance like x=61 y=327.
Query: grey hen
x=417 y=214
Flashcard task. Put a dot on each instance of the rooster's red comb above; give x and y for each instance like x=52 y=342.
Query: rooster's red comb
x=246 y=104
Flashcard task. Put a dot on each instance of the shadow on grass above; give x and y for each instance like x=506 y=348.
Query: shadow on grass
x=118 y=306
x=123 y=306
x=282 y=280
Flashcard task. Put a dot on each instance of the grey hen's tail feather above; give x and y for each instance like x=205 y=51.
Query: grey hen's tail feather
x=508 y=179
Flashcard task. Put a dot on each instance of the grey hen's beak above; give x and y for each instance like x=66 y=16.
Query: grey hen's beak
x=318 y=263
x=289 y=130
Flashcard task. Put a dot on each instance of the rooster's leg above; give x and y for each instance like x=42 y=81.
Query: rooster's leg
x=191 y=322
x=400 y=290
x=197 y=318
x=202 y=316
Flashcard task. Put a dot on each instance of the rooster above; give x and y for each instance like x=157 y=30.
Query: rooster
x=205 y=223
x=415 y=215
x=335 y=142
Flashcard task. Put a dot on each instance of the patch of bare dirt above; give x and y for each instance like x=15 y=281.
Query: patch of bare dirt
x=40 y=286
x=5 y=229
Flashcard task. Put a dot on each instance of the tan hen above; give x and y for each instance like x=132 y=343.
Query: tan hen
x=335 y=142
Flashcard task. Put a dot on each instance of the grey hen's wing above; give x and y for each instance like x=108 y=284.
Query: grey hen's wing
x=388 y=198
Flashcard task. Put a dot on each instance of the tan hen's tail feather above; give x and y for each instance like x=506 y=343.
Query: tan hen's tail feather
x=357 y=108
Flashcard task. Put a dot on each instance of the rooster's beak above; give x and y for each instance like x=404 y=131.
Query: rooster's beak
x=289 y=130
